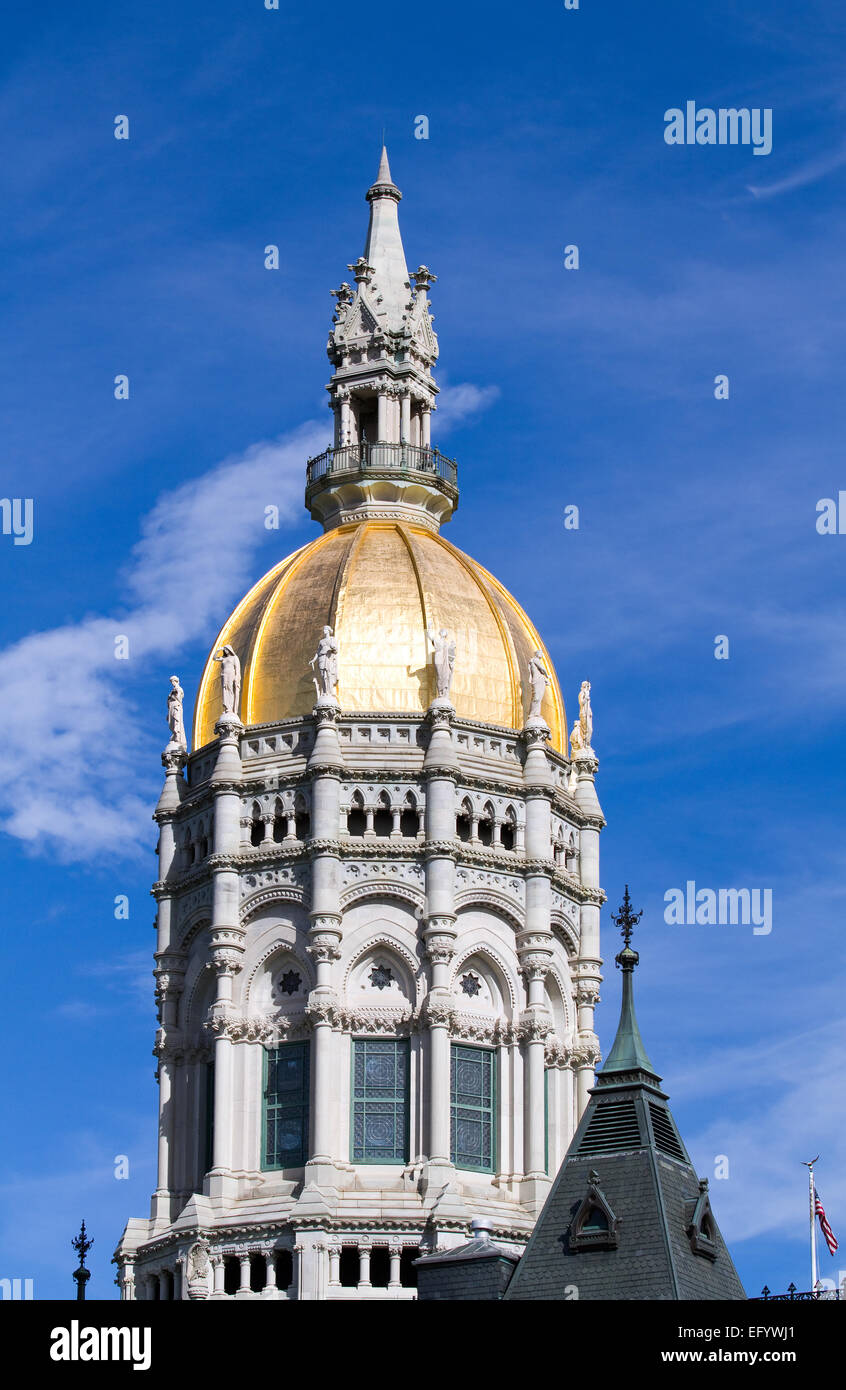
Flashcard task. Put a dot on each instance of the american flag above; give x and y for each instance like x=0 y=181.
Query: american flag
x=830 y=1237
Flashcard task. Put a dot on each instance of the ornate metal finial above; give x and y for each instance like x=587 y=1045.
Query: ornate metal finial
x=81 y=1245
x=627 y=920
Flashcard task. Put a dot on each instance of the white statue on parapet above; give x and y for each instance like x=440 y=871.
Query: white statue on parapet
x=175 y=717
x=538 y=680
x=230 y=679
x=586 y=716
x=326 y=661
x=577 y=744
x=444 y=658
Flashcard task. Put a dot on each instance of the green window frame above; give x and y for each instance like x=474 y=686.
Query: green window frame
x=285 y=1092
x=380 y=1100
x=473 y=1084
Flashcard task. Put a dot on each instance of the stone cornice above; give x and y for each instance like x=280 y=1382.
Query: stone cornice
x=357 y=848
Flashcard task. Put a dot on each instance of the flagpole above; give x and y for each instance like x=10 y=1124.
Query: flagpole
x=814 y=1272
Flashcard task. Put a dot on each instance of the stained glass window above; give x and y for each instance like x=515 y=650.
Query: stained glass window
x=380 y=1100
x=286 y=1103
x=473 y=1109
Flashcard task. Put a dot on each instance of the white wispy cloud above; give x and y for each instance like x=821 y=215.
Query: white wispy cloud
x=807 y=173
x=70 y=757
x=456 y=404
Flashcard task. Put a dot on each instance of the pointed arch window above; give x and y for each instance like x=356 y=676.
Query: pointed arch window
x=383 y=820
x=486 y=824
x=464 y=822
x=302 y=817
x=356 y=818
x=410 y=818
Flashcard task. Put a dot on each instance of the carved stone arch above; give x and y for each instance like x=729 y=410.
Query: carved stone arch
x=473 y=897
x=192 y=925
x=388 y=943
x=202 y=983
x=501 y=969
x=567 y=933
x=281 y=893
x=382 y=888
x=565 y=990
x=279 y=948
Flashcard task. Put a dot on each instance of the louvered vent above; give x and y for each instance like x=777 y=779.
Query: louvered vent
x=612 y=1127
x=666 y=1138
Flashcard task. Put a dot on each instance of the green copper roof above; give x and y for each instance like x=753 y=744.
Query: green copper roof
x=628 y=1052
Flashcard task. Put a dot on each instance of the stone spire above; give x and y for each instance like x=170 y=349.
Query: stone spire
x=383 y=251
x=382 y=392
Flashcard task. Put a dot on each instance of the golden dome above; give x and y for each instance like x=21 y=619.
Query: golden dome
x=379 y=585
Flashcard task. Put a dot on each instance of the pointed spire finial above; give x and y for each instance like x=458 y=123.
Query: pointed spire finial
x=627 y=920
x=628 y=1052
x=384 y=186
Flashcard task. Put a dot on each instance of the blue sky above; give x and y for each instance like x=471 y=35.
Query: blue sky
x=593 y=387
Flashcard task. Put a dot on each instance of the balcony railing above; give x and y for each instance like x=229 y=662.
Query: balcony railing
x=394 y=458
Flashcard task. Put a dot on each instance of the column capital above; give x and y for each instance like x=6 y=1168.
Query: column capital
x=440 y=935
x=436 y=1010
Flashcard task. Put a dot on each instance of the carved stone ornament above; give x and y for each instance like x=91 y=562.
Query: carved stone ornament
x=197 y=1270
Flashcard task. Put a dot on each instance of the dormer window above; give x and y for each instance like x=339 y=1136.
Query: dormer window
x=702 y=1228
x=594 y=1226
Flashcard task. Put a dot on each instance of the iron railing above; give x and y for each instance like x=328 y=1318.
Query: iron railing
x=794 y=1296
x=395 y=458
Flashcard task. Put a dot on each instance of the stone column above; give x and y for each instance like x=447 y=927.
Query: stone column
x=219 y=1276
x=534 y=948
x=426 y=425
x=325 y=764
x=334 y=1266
x=127 y=1281
x=395 y=1279
x=587 y=969
x=405 y=418
x=226 y=945
x=440 y=769
x=382 y=416
x=170 y=974
x=244 y=1262
x=364 y=1267
x=270 y=1286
